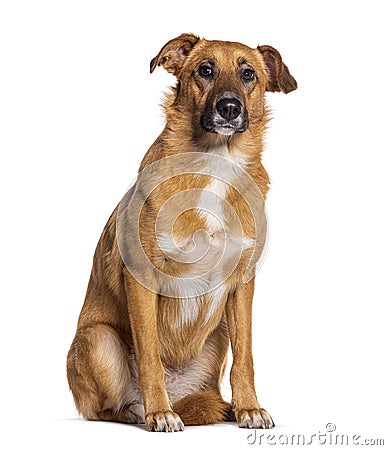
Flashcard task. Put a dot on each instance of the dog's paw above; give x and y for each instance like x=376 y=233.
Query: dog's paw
x=163 y=421
x=254 y=418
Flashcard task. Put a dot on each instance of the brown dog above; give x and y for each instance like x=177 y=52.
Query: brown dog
x=173 y=274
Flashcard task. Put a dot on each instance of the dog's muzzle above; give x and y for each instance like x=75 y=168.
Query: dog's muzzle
x=228 y=117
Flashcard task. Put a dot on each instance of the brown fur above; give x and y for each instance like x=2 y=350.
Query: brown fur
x=133 y=349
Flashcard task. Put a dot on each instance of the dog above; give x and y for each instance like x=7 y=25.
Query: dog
x=172 y=280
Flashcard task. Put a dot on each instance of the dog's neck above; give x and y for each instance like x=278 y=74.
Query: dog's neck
x=179 y=136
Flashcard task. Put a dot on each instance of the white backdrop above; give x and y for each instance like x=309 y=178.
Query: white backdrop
x=78 y=110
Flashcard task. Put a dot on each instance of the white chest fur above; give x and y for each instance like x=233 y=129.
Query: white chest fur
x=195 y=257
x=222 y=167
x=216 y=248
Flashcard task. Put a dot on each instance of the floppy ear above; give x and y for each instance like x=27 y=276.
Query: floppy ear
x=174 y=53
x=280 y=78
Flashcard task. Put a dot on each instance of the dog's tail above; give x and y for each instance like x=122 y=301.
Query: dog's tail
x=204 y=408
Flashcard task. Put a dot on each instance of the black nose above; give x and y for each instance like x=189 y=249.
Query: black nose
x=229 y=108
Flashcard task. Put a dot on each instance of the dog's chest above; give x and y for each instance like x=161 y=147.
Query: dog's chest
x=208 y=247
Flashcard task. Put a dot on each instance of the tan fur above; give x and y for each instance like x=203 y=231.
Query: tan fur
x=139 y=355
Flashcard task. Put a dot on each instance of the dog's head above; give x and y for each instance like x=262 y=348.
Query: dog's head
x=222 y=83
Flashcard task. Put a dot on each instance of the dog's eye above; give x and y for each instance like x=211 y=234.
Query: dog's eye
x=248 y=75
x=205 y=71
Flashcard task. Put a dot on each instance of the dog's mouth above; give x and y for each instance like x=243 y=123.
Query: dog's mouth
x=227 y=118
x=227 y=129
x=213 y=123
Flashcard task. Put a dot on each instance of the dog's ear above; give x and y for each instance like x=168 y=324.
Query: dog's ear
x=280 y=78
x=174 y=53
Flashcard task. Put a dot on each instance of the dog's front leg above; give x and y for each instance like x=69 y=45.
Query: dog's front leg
x=143 y=309
x=248 y=412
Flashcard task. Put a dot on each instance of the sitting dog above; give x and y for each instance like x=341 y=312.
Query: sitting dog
x=173 y=274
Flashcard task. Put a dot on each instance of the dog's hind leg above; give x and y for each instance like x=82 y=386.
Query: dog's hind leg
x=99 y=376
